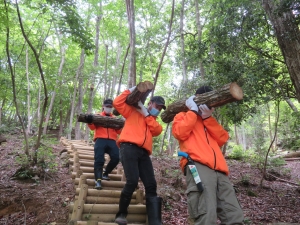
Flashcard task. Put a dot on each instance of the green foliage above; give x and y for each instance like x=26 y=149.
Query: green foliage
x=237 y=152
x=46 y=162
x=71 y=23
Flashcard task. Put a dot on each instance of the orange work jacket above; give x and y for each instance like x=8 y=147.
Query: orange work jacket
x=103 y=132
x=201 y=140
x=137 y=129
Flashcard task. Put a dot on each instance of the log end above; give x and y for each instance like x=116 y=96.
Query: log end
x=236 y=91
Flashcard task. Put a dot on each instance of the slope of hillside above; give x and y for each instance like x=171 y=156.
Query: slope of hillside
x=44 y=200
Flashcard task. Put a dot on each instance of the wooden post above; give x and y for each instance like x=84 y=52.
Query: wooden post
x=78 y=209
x=78 y=173
x=82 y=180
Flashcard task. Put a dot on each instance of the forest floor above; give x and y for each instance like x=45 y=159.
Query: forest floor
x=44 y=201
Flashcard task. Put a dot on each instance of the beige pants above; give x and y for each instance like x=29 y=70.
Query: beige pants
x=217 y=200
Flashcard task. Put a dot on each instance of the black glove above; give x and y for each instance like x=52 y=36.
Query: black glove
x=89 y=118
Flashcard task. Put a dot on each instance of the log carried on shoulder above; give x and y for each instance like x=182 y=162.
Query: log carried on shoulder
x=140 y=93
x=228 y=93
x=104 y=121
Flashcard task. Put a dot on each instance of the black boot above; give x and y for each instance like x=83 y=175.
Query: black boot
x=123 y=205
x=98 y=178
x=153 y=205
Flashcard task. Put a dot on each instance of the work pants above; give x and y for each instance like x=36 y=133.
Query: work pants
x=217 y=200
x=102 y=146
x=137 y=163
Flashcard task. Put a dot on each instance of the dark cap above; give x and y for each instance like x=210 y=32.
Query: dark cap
x=159 y=101
x=203 y=89
x=108 y=102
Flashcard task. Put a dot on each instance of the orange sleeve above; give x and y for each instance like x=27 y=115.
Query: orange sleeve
x=218 y=133
x=183 y=124
x=119 y=131
x=154 y=126
x=91 y=126
x=121 y=106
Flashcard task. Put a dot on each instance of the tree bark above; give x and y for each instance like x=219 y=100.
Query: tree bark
x=228 y=93
x=104 y=121
x=288 y=37
x=74 y=95
x=80 y=95
x=184 y=76
x=28 y=95
x=199 y=34
x=62 y=62
x=131 y=23
x=140 y=93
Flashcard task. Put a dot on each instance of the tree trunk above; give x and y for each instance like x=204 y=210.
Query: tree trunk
x=163 y=139
x=117 y=70
x=103 y=121
x=228 y=93
x=80 y=95
x=74 y=96
x=236 y=135
x=199 y=32
x=288 y=100
x=28 y=131
x=131 y=23
x=62 y=62
x=99 y=17
x=105 y=73
x=288 y=38
x=184 y=77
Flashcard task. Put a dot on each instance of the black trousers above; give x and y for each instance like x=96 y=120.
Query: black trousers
x=137 y=163
x=110 y=147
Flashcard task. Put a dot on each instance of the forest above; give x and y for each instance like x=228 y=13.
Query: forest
x=62 y=58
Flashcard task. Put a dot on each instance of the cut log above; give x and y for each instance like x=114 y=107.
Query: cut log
x=228 y=93
x=140 y=93
x=292 y=155
x=103 y=121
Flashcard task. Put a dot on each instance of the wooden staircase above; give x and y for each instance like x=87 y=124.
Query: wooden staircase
x=98 y=207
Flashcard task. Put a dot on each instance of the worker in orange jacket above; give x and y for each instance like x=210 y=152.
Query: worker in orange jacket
x=201 y=136
x=135 y=144
x=105 y=142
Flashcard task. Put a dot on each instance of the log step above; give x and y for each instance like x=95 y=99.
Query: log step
x=131 y=218
x=104 y=193
x=104 y=200
x=103 y=223
x=115 y=177
x=104 y=183
x=86 y=169
x=111 y=209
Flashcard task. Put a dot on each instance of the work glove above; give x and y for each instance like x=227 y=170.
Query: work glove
x=205 y=111
x=142 y=110
x=131 y=89
x=191 y=104
x=89 y=118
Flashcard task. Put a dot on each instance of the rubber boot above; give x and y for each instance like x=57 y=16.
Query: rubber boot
x=98 y=178
x=122 y=214
x=153 y=206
